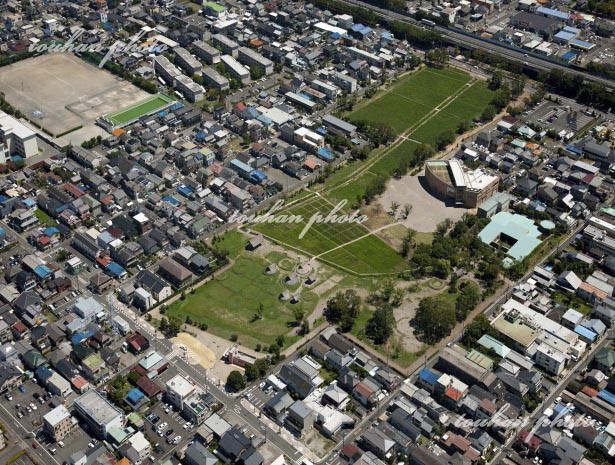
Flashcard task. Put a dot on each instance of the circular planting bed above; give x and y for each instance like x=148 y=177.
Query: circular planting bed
x=309 y=297
x=286 y=264
x=436 y=284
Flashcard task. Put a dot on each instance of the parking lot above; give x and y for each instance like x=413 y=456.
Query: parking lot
x=27 y=407
x=559 y=117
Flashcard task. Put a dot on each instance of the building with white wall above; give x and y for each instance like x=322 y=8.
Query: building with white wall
x=17 y=138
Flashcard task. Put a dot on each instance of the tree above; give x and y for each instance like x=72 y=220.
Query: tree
x=251 y=372
x=380 y=326
x=435 y=318
x=467 y=299
x=441 y=268
x=343 y=309
x=236 y=380
x=488 y=113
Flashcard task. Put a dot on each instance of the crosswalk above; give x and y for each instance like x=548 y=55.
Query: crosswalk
x=174 y=353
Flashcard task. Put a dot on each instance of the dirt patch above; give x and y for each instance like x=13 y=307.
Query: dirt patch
x=427 y=210
x=67 y=92
x=196 y=351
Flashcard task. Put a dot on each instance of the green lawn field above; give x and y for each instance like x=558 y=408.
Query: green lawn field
x=412 y=98
x=228 y=303
x=371 y=254
x=388 y=162
x=145 y=106
x=467 y=106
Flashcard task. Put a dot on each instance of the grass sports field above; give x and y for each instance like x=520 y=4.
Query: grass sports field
x=412 y=98
x=143 y=107
x=365 y=256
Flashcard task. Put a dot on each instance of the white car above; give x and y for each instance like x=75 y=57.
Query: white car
x=176 y=440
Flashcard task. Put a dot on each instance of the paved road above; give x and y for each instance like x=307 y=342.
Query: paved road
x=199 y=377
x=528 y=60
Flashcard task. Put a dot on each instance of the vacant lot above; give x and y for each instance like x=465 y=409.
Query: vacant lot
x=412 y=98
x=368 y=255
x=67 y=91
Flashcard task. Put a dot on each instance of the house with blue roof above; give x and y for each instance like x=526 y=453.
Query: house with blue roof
x=428 y=379
x=80 y=336
x=135 y=398
x=116 y=270
x=42 y=272
x=607 y=396
x=324 y=154
x=43 y=373
x=171 y=200
x=585 y=334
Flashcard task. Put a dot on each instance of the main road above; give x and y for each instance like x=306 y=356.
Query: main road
x=528 y=60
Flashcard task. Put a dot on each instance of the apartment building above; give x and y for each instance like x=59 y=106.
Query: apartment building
x=213 y=78
x=237 y=71
x=228 y=46
x=100 y=415
x=167 y=70
x=249 y=57
x=206 y=52
x=58 y=422
x=186 y=61
x=189 y=89
x=549 y=359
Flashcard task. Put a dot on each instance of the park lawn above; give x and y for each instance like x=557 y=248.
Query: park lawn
x=320 y=237
x=352 y=190
x=368 y=255
x=388 y=162
x=228 y=303
x=468 y=105
x=396 y=353
x=412 y=98
x=233 y=241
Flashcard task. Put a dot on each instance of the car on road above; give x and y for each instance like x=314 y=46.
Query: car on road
x=35 y=445
x=61 y=443
x=53 y=451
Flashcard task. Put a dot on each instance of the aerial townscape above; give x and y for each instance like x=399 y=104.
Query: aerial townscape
x=307 y=232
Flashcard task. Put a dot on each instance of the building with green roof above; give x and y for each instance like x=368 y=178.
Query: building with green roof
x=514 y=234
x=214 y=9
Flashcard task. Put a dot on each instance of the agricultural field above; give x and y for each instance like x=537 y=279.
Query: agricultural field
x=369 y=254
x=412 y=98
